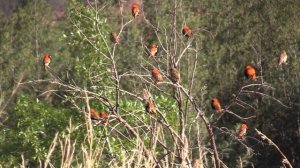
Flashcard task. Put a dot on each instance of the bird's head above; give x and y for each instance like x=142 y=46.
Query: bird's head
x=47 y=55
x=283 y=52
x=154 y=46
x=92 y=110
x=103 y=114
x=185 y=27
x=248 y=67
x=214 y=100
x=155 y=70
x=244 y=126
x=148 y=103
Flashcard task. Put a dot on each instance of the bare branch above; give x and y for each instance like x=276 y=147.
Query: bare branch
x=264 y=137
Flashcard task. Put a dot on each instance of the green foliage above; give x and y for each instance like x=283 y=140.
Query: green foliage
x=88 y=46
x=32 y=126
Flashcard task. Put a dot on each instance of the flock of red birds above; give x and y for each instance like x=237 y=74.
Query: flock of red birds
x=249 y=71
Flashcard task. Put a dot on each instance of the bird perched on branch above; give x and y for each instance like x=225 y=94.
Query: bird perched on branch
x=150 y=108
x=114 y=38
x=283 y=57
x=135 y=10
x=156 y=75
x=102 y=117
x=216 y=105
x=153 y=50
x=46 y=61
x=174 y=74
x=186 y=31
x=250 y=72
x=242 y=131
x=94 y=114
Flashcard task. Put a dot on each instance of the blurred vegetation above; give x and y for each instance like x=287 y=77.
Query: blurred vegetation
x=228 y=35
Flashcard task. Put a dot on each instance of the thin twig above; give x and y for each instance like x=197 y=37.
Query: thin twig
x=264 y=137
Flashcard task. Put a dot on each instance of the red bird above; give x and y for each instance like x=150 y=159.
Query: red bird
x=174 y=74
x=46 y=61
x=94 y=115
x=283 y=57
x=135 y=10
x=153 y=50
x=150 y=108
x=186 y=31
x=114 y=38
x=102 y=117
x=216 y=105
x=242 y=131
x=250 y=72
x=156 y=75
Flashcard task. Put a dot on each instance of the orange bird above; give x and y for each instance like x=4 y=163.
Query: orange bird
x=150 y=108
x=156 y=75
x=174 y=74
x=153 y=50
x=242 y=131
x=114 y=38
x=135 y=10
x=94 y=115
x=283 y=57
x=250 y=72
x=46 y=61
x=102 y=117
x=216 y=105
x=186 y=31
